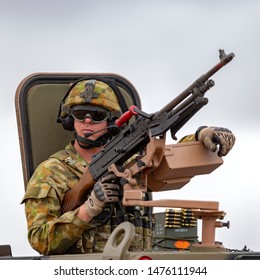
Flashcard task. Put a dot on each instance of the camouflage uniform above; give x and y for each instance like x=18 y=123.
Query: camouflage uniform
x=50 y=231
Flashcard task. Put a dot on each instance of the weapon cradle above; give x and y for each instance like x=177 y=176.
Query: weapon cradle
x=170 y=167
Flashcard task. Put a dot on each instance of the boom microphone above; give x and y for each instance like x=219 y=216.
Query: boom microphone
x=112 y=129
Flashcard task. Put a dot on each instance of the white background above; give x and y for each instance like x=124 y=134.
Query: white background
x=107 y=269
x=161 y=47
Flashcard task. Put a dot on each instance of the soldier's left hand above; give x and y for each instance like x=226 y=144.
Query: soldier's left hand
x=216 y=137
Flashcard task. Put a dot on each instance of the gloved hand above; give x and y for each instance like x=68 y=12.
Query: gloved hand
x=212 y=137
x=104 y=191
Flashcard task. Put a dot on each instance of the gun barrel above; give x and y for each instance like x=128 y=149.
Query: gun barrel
x=177 y=100
x=224 y=59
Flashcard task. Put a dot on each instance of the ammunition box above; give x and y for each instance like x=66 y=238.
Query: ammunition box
x=166 y=235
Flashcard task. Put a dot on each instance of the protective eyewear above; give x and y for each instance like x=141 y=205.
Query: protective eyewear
x=96 y=114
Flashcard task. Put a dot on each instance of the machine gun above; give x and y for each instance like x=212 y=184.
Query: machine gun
x=139 y=149
x=147 y=132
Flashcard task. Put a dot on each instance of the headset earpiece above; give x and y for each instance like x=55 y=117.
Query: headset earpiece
x=67 y=123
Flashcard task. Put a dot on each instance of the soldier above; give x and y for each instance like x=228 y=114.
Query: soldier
x=89 y=109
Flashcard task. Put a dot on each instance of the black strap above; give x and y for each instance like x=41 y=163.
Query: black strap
x=91 y=143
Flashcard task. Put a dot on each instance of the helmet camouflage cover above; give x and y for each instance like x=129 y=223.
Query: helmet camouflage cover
x=91 y=92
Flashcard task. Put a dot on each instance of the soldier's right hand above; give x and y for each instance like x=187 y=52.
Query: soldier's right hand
x=104 y=191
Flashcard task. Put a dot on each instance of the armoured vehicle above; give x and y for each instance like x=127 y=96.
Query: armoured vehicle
x=175 y=230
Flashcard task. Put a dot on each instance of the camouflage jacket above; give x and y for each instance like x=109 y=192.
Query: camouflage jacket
x=50 y=231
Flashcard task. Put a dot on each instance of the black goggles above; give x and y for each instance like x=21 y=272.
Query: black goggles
x=96 y=114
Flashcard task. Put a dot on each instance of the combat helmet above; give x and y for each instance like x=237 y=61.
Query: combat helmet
x=95 y=93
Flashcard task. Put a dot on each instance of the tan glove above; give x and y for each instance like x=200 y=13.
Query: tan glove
x=104 y=191
x=216 y=137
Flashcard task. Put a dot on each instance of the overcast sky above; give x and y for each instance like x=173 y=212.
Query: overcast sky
x=161 y=47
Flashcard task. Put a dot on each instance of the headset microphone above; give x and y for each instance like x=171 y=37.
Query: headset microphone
x=113 y=130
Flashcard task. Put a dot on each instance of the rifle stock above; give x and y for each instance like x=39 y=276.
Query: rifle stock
x=138 y=137
x=76 y=196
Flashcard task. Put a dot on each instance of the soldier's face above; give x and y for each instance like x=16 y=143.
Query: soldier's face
x=88 y=127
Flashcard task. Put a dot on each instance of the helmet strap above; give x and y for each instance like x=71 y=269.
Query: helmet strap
x=89 y=144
